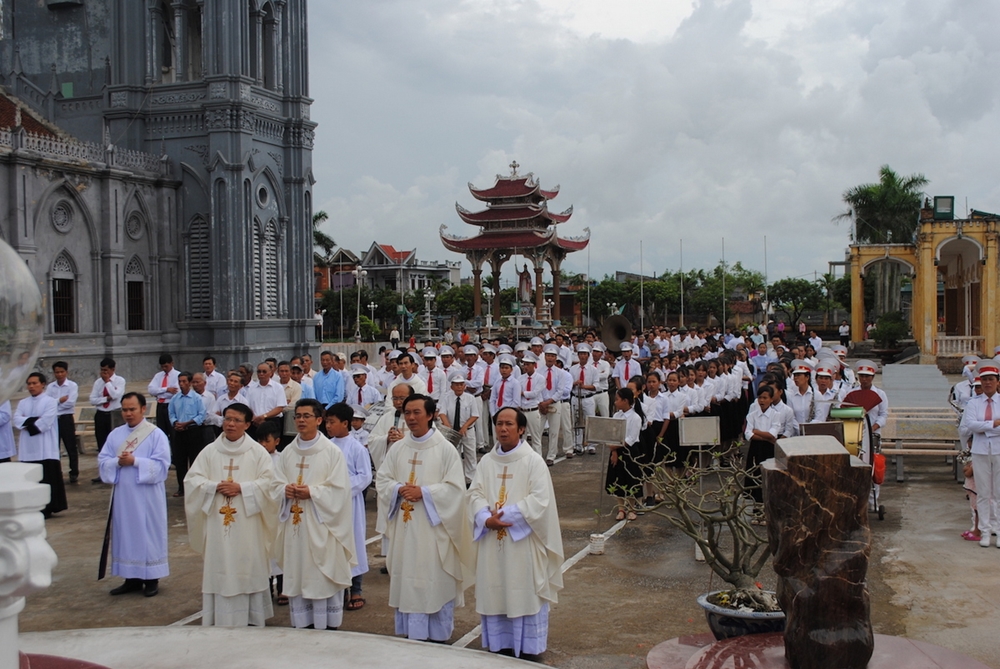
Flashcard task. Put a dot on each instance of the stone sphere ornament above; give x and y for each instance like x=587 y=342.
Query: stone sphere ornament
x=21 y=314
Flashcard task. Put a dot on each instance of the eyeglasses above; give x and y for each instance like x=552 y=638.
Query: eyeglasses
x=305 y=416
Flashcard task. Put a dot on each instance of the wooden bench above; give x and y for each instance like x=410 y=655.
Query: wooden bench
x=84 y=421
x=923 y=436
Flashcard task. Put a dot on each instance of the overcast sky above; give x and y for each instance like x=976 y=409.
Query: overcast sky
x=662 y=120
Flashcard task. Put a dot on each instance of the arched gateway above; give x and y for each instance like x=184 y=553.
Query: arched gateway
x=959 y=254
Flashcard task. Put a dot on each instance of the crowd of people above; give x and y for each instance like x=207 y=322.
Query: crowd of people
x=274 y=461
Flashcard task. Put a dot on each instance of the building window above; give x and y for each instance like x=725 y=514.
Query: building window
x=135 y=295
x=63 y=277
x=199 y=271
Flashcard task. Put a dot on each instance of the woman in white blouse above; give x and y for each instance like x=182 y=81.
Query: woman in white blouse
x=624 y=478
x=762 y=433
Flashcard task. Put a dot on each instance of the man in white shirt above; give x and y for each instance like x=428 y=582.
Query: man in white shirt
x=292 y=388
x=214 y=380
x=266 y=400
x=584 y=377
x=65 y=392
x=459 y=410
x=163 y=387
x=981 y=419
x=625 y=368
x=555 y=401
x=35 y=417
x=506 y=390
x=436 y=380
x=212 y=425
x=359 y=391
x=532 y=393
x=603 y=367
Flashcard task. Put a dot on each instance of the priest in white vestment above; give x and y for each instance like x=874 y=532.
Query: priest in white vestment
x=359 y=468
x=232 y=517
x=36 y=417
x=421 y=492
x=517 y=542
x=136 y=460
x=390 y=428
x=315 y=543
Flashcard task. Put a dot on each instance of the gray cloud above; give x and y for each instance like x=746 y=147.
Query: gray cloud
x=749 y=119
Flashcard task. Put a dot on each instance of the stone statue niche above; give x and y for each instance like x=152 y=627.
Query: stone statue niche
x=816 y=499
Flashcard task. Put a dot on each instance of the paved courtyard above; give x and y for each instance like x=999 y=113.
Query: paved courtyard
x=926 y=582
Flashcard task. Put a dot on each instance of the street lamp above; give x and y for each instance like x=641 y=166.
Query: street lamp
x=428 y=298
x=372 y=307
x=359 y=276
x=548 y=304
x=612 y=307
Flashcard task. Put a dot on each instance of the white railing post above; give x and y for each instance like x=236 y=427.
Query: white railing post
x=29 y=559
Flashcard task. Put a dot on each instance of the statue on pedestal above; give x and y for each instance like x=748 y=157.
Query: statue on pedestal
x=524 y=292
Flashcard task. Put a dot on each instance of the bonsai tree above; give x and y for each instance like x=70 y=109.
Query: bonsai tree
x=889 y=329
x=709 y=502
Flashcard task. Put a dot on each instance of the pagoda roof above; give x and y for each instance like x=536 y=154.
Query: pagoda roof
x=517 y=239
x=512 y=187
x=516 y=214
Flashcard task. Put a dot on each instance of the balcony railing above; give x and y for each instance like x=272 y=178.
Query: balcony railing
x=958 y=346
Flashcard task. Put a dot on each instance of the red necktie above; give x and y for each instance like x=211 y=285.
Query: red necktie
x=529 y=383
x=470 y=373
x=486 y=377
x=627 y=375
x=164 y=386
x=989 y=409
x=106 y=394
x=548 y=380
x=359 y=395
x=500 y=399
x=430 y=381
x=581 y=375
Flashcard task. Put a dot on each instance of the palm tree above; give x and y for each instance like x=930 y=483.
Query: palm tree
x=827 y=283
x=322 y=240
x=886 y=212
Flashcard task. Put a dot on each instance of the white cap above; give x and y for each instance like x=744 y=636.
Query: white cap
x=625 y=346
x=429 y=352
x=446 y=350
x=395 y=353
x=987 y=367
x=839 y=349
x=530 y=357
x=504 y=349
x=522 y=346
x=551 y=348
x=507 y=359
x=801 y=367
x=470 y=350
x=599 y=346
x=488 y=348
x=865 y=367
x=358 y=370
x=537 y=341
x=966 y=359
x=583 y=348
x=456 y=377
x=996 y=351
x=825 y=368
x=359 y=412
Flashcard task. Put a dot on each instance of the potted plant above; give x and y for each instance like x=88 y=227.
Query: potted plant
x=890 y=328
x=711 y=502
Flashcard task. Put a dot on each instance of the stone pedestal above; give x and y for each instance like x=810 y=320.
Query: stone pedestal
x=816 y=500
x=26 y=559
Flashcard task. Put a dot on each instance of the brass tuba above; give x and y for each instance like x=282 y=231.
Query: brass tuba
x=615 y=330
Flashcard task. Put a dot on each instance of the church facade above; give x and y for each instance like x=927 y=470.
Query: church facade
x=156 y=170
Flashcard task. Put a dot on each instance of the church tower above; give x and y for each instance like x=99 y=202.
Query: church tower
x=219 y=90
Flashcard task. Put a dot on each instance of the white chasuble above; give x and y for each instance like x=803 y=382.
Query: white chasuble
x=235 y=534
x=429 y=538
x=517 y=569
x=315 y=542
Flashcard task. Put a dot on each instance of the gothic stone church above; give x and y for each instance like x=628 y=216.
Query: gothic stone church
x=156 y=176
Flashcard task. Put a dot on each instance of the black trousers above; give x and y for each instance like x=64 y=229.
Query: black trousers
x=104 y=422
x=163 y=419
x=67 y=435
x=185 y=445
x=52 y=475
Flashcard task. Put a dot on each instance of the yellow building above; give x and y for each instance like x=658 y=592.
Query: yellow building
x=960 y=254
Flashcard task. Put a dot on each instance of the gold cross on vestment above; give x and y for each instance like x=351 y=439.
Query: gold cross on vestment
x=502 y=499
x=407 y=506
x=296 y=509
x=228 y=511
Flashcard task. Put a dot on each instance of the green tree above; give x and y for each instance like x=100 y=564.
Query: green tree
x=322 y=241
x=886 y=212
x=793 y=296
x=827 y=285
x=457 y=301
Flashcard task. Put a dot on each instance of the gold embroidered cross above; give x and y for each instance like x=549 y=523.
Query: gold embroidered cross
x=229 y=511
x=502 y=499
x=296 y=509
x=407 y=506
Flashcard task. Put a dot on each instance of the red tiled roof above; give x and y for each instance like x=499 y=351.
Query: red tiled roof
x=510 y=214
x=528 y=239
x=28 y=121
x=393 y=254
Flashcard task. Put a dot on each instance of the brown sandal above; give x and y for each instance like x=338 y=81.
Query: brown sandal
x=355 y=603
x=282 y=600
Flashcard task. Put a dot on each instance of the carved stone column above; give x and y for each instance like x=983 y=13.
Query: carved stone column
x=816 y=500
x=477 y=291
x=28 y=559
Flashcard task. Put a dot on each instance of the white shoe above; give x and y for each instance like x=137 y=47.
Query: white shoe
x=985 y=540
x=591 y=450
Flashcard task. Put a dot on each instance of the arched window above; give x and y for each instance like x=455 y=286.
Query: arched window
x=135 y=294
x=199 y=270
x=258 y=269
x=63 y=277
x=270 y=264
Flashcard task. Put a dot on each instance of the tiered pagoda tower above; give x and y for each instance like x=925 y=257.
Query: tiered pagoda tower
x=516 y=220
